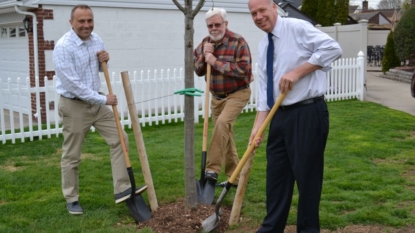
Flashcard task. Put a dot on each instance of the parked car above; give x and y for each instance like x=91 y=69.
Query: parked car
x=413 y=85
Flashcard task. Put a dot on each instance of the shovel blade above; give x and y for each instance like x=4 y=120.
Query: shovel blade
x=199 y=188
x=205 y=191
x=211 y=223
x=209 y=192
x=138 y=208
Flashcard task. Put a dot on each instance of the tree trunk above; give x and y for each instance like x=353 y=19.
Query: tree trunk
x=189 y=122
x=189 y=116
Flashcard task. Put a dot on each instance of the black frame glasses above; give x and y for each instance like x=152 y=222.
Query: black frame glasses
x=216 y=25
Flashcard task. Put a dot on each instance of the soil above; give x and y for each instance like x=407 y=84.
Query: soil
x=173 y=218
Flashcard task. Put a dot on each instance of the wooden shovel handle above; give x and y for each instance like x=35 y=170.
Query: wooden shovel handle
x=258 y=135
x=116 y=116
x=206 y=116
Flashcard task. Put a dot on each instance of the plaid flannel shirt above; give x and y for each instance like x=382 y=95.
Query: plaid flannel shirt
x=232 y=69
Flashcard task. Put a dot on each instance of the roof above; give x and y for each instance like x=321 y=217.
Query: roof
x=295 y=3
x=373 y=17
x=350 y=20
x=388 y=13
x=293 y=12
x=229 y=5
x=365 y=15
x=353 y=8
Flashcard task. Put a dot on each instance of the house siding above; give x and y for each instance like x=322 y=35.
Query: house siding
x=229 y=5
x=147 y=39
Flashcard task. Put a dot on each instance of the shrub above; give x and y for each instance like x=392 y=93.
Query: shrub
x=404 y=35
x=390 y=59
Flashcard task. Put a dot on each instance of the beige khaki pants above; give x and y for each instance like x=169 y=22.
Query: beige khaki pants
x=77 y=118
x=222 y=149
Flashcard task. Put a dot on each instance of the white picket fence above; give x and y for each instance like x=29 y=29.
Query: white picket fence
x=153 y=95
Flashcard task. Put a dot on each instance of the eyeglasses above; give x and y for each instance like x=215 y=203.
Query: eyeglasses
x=217 y=25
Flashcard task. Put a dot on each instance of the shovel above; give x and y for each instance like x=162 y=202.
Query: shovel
x=205 y=189
x=213 y=220
x=138 y=208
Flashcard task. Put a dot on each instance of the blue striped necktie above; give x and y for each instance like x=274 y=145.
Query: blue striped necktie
x=270 y=61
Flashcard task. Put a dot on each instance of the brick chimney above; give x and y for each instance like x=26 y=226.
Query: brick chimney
x=366 y=4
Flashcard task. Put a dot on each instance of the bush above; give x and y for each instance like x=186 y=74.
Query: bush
x=405 y=35
x=390 y=59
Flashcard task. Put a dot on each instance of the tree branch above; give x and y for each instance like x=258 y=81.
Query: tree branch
x=197 y=9
x=179 y=6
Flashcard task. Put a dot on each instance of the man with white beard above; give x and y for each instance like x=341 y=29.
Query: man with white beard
x=230 y=58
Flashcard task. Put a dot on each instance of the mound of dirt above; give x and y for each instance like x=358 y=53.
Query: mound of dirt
x=174 y=218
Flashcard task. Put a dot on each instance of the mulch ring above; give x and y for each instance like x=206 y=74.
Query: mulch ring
x=174 y=218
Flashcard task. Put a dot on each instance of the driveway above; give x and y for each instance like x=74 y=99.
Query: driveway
x=390 y=93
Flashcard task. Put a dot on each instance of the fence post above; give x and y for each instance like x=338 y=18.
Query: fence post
x=336 y=33
x=363 y=39
x=361 y=75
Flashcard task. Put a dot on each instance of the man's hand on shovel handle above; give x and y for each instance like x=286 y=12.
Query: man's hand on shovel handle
x=112 y=99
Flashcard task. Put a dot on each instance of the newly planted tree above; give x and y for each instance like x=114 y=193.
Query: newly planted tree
x=190 y=179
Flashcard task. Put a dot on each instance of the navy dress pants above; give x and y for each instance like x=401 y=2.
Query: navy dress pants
x=295 y=154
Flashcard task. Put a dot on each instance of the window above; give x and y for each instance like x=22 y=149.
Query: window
x=12 y=31
x=3 y=32
x=22 y=31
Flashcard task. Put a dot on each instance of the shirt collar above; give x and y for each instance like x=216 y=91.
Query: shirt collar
x=276 y=31
x=78 y=40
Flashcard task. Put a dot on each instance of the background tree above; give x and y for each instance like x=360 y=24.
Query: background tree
x=326 y=12
x=389 y=4
x=309 y=8
x=404 y=36
x=321 y=15
x=406 y=5
x=390 y=59
x=189 y=117
x=342 y=7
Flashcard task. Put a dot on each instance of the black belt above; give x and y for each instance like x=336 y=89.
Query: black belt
x=225 y=95
x=74 y=98
x=304 y=102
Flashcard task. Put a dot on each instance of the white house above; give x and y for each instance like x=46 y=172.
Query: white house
x=138 y=34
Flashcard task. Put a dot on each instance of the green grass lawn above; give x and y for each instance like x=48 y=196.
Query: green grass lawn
x=369 y=175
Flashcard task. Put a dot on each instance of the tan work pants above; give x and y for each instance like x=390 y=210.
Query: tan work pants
x=222 y=149
x=77 y=118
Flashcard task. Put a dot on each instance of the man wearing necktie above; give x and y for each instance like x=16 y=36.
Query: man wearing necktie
x=292 y=58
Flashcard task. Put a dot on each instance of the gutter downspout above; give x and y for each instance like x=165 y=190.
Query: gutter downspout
x=35 y=42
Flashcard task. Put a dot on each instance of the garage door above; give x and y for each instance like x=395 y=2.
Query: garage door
x=14 y=63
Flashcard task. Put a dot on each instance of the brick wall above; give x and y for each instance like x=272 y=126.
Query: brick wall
x=43 y=45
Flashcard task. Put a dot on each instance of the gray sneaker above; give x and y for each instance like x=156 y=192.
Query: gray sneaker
x=74 y=208
x=120 y=197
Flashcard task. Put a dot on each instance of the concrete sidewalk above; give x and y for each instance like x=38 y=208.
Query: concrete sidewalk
x=390 y=93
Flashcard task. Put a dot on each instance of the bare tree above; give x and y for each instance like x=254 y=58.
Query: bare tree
x=389 y=4
x=190 y=179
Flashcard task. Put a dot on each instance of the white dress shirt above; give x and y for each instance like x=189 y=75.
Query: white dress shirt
x=77 y=67
x=295 y=43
